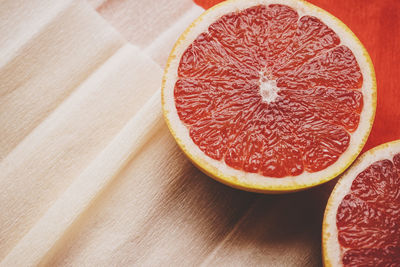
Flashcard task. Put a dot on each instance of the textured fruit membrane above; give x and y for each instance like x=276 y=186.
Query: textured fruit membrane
x=269 y=92
x=368 y=218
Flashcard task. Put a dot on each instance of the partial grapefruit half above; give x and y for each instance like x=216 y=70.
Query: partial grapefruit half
x=362 y=219
x=269 y=96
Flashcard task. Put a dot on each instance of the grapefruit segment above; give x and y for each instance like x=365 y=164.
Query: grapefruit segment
x=258 y=90
x=311 y=38
x=336 y=68
x=362 y=219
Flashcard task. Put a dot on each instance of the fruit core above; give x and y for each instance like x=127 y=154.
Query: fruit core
x=368 y=218
x=269 y=92
x=268 y=89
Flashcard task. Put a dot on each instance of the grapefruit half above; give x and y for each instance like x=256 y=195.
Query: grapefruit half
x=269 y=96
x=362 y=218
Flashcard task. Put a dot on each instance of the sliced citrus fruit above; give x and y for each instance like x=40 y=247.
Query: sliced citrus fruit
x=362 y=218
x=269 y=95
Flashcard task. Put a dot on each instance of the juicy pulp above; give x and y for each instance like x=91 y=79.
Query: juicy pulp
x=368 y=218
x=270 y=92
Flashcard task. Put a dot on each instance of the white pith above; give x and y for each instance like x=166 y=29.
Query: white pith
x=331 y=248
x=254 y=180
x=268 y=89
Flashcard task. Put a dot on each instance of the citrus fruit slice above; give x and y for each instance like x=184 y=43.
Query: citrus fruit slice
x=362 y=218
x=269 y=95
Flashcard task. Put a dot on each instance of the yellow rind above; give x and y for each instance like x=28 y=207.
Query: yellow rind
x=325 y=233
x=233 y=181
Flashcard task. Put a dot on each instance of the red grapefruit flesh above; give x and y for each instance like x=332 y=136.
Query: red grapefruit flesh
x=366 y=231
x=368 y=218
x=317 y=80
x=269 y=90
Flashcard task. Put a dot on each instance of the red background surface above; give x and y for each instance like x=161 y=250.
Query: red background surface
x=376 y=23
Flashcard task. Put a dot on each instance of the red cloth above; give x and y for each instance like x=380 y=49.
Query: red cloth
x=377 y=25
